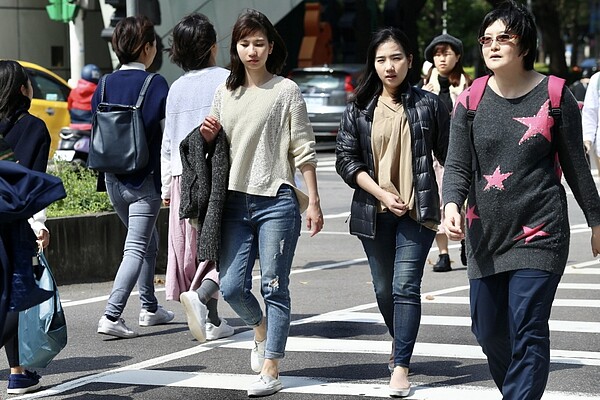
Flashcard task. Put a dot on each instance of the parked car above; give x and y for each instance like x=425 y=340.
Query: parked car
x=49 y=103
x=326 y=90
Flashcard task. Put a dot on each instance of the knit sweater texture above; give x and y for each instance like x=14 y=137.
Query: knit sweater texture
x=188 y=102
x=516 y=214
x=204 y=189
x=269 y=135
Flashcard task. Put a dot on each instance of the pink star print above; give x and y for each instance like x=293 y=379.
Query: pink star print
x=530 y=233
x=470 y=215
x=496 y=179
x=538 y=125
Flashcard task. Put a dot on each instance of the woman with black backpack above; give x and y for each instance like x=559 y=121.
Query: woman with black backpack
x=136 y=196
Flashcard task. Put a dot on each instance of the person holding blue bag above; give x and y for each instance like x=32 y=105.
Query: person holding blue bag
x=27 y=139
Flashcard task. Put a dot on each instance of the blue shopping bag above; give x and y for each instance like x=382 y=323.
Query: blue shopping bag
x=42 y=328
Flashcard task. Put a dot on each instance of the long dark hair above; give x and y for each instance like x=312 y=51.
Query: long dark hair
x=371 y=85
x=457 y=72
x=247 y=23
x=12 y=77
x=519 y=21
x=191 y=42
x=130 y=36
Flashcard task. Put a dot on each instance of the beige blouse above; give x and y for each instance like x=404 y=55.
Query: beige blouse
x=392 y=154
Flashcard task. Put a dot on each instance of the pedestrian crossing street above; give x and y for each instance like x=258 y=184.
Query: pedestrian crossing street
x=149 y=372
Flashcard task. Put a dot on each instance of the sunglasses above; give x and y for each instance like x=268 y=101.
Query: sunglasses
x=501 y=38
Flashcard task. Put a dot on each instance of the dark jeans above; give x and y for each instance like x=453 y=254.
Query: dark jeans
x=510 y=313
x=397 y=257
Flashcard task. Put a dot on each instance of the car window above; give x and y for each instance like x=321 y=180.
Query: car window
x=46 y=88
x=322 y=81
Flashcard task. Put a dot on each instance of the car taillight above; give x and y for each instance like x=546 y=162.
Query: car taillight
x=348 y=88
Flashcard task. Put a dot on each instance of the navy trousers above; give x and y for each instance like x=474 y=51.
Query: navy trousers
x=510 y=313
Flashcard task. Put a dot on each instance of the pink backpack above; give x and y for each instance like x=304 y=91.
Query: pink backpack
x=555 y=88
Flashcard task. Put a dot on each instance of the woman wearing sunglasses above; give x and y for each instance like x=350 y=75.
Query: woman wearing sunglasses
x=517 y=228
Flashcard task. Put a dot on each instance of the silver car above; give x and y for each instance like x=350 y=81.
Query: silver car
x=326 y=90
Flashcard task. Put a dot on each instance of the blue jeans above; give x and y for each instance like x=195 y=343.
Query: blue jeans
x=138 y=210
x=269 y=227
x=397 y=257
x=510 y=313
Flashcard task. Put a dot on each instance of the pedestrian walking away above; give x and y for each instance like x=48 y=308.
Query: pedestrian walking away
x=384 y=153
x=195 y=284
x=447 y=79
x=516 y=224
x=262 y=211
x=136 y=196
x=29 y=142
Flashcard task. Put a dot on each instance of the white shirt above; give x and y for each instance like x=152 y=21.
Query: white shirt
x=590 y=113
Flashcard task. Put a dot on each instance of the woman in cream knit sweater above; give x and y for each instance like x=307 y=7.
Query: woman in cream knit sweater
x=265 y=120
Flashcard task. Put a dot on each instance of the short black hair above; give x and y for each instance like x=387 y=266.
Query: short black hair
x=130 y=36
x=518 y=21
x=191 y=42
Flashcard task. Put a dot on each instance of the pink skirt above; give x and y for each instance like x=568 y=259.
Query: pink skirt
x=183 y=271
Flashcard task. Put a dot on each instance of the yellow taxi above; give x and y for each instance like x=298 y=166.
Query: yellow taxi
x=49 y=103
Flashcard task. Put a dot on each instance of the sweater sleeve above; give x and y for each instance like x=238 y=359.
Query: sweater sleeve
x=457 y=167
x=348 y=154
x=302 y=144
x=573 y=161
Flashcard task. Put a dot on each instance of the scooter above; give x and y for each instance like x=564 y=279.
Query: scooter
x=74 y=146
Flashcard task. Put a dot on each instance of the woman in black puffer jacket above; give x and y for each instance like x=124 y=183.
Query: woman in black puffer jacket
x=384 y=151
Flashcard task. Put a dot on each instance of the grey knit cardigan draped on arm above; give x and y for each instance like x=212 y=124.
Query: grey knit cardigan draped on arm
x=204 y=182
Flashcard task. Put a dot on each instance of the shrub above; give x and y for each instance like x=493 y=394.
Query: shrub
x=82 y=197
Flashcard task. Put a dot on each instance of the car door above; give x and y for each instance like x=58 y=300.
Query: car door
x=49 y=103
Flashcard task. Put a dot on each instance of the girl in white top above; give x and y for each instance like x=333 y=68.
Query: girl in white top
x=196 y=285
x=265 y=120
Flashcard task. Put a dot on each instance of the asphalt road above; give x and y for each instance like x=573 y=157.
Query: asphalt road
x=338 y=346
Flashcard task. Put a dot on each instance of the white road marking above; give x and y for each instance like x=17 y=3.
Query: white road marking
x=297 y=384
x=586 y=303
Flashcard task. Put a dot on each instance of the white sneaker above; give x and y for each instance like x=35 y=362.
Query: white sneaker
x=117 y=328
x=160 y=316
x=257 y=357
x=195 y=313
x=218 y=332
x=265 y=385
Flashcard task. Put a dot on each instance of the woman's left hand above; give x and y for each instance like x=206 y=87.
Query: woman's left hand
x=314 y=219
x=596 y=240
x=43 y=238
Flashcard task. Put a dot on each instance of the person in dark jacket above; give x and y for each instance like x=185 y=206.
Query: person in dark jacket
x=29 y=142
x=136 y=196
x=384 y=150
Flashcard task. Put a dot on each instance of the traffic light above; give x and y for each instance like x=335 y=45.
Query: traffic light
x=62 y=10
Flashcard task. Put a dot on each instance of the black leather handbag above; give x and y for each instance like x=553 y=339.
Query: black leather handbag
x=118 y=144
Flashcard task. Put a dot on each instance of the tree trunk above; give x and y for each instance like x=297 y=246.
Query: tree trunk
x=404 y=15
x=549 y=25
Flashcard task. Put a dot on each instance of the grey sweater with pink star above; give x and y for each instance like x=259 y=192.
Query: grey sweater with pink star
x=516 y=214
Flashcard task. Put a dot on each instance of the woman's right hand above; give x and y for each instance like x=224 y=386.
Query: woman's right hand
x=429 y=87
x=393 y=203
x=210 y=128
x=453 y=222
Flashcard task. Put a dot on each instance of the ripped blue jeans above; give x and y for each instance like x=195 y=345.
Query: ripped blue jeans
x=266 y=228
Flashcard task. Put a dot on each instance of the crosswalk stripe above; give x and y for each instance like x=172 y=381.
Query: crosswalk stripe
x=315 y=386
x=586 y=303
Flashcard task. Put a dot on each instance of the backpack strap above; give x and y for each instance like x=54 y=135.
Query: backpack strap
x=555 y=89
x=144 y=89
x=102 y=84
x=473 y=98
